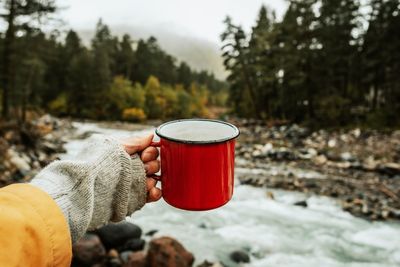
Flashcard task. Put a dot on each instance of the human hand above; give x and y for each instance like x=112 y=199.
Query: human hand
x=148 y=155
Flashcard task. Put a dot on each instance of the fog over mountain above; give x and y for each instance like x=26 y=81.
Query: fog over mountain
x=199 y=54
x=189 y=30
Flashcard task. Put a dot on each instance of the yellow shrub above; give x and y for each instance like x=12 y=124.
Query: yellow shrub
x=59 y=105
x=134 y=114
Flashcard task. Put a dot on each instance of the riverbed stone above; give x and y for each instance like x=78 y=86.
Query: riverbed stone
x=168 y=252
x=390 y=168
x=139 y=259
x=240 y=256
x=302 y=203
x=88 y=250
x=209 y=264
x=18 y=161
x=115 y=235
x=134 y=244
x=319 y=160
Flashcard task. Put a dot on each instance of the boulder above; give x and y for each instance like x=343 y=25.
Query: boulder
x=240 y=256
x=301 y=203
x=332 y=156
x=342 y=165
x=168 y=252
x=138 y=259
x=134 y=244
x=390 y=169
x=332 y=143
x=51 y=147
x=319 y=160
x=209 y=264
x=115 y=235
x=18 y=161
x=88 y=251
x=347 y=156
x=370 y=164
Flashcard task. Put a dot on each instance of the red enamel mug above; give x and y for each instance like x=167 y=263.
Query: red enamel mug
x=197 y=163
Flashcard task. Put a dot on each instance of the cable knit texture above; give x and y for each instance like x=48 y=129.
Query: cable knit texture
x=102 y=184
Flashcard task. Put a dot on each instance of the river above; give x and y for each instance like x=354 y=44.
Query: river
x=273 y=232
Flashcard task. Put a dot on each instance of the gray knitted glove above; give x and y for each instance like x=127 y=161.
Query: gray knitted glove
x=102 y=184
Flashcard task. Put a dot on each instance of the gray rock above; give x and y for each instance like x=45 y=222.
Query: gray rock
x=134 y=244
x=302 y=203
x=347 y=156
x=209 y=264
x=18 y=161
x=390 y=168
x=240 y=256
x=117 y=234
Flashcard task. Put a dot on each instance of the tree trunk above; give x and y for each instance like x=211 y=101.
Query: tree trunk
x=310 y=88
x=8 y=71
x=25 y=93
x=375 y=92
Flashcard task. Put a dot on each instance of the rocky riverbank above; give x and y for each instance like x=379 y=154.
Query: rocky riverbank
x=26 y=149
x=359 y=167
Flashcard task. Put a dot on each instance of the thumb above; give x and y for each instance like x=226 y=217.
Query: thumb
x=133 y=145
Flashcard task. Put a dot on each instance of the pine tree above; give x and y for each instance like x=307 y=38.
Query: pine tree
x=184 y=74
x=237 y=61
x=80 y=84
x=338 y=22
x=152 y=60
x=102 y=48
x=16 y=9
x=72 y=46
x=125 y=57
x=380 y=58
x=298 y=48
x=263 y=65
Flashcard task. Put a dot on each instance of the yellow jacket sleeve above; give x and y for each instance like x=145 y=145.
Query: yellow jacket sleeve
x=33 y=230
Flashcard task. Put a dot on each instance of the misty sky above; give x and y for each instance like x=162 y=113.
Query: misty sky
x=195 y=18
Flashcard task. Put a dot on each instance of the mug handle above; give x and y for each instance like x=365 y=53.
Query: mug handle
x=156 y=144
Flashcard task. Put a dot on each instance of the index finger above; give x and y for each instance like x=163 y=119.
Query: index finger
x=136 y=144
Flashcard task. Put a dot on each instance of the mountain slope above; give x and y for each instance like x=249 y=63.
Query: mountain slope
x=199 y=54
